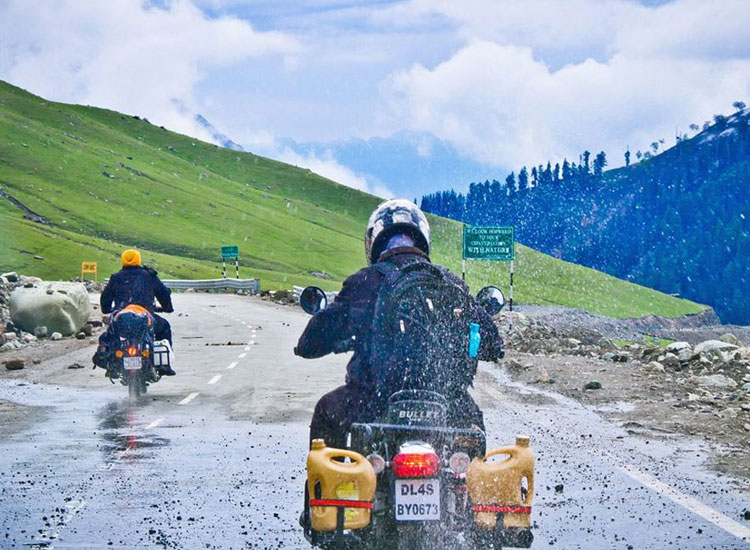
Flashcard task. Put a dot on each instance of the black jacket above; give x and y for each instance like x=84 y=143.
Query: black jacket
x=135 y=285
x=352 y=311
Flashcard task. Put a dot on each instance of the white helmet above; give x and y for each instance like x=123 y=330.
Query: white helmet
x=393 y=217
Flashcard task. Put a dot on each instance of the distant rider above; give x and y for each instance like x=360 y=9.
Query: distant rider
x=397 y=232
x=140 y=285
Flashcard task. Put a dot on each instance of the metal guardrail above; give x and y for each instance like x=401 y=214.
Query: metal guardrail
x=297 y=291
x=248 y=285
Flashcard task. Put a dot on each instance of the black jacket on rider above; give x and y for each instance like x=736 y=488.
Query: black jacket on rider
x=351 y=314
x=139 y=285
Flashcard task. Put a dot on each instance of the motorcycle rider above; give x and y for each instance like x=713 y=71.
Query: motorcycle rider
x=140 y=285
x=397 y=232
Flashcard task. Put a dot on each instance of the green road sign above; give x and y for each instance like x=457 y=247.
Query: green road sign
x=232 y=251
x=489 y=243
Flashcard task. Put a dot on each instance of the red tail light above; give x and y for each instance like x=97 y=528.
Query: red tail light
x=132 y=351
x=416 y=465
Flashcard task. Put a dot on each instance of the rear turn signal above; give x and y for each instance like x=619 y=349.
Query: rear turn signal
x=416 y=465
x=118 y=354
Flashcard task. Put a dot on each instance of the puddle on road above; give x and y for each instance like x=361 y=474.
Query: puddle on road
x=121 y=431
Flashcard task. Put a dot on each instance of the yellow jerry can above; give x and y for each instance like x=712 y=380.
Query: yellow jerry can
x=334 y=482
x=497 y=487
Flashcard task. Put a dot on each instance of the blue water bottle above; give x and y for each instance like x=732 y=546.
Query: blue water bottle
x=474 y=339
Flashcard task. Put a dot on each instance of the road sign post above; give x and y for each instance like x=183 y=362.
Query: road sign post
x=230 y=252
x=490 y=243
x=89 y=267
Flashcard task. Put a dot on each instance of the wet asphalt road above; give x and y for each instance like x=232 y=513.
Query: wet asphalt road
x=214 y=457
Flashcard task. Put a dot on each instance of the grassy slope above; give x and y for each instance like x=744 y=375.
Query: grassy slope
x=180 y=199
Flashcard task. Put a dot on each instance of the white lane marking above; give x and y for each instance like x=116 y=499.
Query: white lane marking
x=232 y=365
x=692 y=504
x=253 y=335
x=244 y=323
x=242 y=355
x=52 y=533
x=215 y=379
x=247 y=348
x=189 y=398
x=155 y=423
x=116 y=456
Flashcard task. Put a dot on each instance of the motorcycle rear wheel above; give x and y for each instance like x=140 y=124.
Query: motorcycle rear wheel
x=136 y=386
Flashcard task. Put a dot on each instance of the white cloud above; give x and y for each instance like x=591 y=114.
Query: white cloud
x=503 y=104
x=124 y=55
x=506 y=82
x=327 y=166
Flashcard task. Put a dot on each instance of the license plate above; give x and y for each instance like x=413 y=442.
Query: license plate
x=131 y=363
x=417 y=499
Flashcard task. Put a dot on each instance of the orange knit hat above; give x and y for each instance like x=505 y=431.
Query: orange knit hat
x=131 y=257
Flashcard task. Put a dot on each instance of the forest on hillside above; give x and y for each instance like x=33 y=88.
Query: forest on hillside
x=678 y=221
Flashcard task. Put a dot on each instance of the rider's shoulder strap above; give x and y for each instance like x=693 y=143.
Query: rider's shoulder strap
x=385 y=268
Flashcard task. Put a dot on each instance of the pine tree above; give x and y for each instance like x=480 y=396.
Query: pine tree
x=510 y=183
x=523 y=179
x=600 y=161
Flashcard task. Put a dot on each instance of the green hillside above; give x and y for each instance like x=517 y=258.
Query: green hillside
x=106 y=181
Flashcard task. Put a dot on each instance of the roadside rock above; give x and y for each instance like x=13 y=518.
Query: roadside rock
x=670 y=360
x=730 y=338
x=716 y=381
x=655 y=366
x=543 y=376
x=61 y=307
x=713 y=345
x=677 y=347
x=11 y=277
x=593 y=385
x=56 y=336
x=513 y=364
x=9 y=346
x=40 y=332
x=15 y=364
x=686 y=354
x=622 y=357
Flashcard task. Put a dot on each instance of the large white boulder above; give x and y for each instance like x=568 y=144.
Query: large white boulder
x=713 y=345
x=59 y=306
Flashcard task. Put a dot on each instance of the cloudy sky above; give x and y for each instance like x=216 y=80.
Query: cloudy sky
x=393 y=96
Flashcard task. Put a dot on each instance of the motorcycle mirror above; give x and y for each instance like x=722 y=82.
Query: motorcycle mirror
x=491 y=299
x=313 y=299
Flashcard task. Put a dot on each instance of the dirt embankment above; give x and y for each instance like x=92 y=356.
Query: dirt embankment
x=655 y=389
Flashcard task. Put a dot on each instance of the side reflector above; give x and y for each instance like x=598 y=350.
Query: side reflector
x=459 y=462
x=377 y=462
x=416 y=465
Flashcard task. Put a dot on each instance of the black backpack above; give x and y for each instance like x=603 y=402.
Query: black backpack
x=420 y=331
